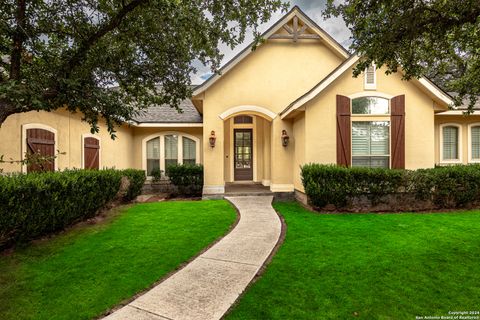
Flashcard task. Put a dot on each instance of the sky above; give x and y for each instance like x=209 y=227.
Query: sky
x=334 y=26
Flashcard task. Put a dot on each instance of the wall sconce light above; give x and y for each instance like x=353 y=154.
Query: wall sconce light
x=212 y=139
x=285 y=138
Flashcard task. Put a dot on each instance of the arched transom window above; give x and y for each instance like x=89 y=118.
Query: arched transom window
x=166 y=149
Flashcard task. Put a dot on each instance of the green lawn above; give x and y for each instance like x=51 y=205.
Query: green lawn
x=84 y=272
x=369 y=266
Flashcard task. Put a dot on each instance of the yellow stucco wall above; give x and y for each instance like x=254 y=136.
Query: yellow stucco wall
x=320 y=122
x=113 y=153
x=298 y=141
x=463 y=122
x=270 y=77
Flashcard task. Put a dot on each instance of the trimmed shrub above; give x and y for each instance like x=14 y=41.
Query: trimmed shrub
x=137 y=180
x=38 y=204
x=443 y=187
x=187 y=178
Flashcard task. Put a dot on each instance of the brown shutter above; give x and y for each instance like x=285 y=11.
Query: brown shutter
x=343 y=131
x=91 y=150
x=42 y=142
x=398 y=132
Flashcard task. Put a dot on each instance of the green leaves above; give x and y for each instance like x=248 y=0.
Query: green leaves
x=36 y=204
x=439 y=39
x=187 y=178
x=444 y=187
x=75 y=51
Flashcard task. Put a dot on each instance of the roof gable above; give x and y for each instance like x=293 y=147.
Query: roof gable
x=294 y=25
x=423 y=82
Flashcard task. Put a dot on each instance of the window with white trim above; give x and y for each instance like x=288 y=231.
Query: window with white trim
x=189 y=147
x=475 y=143
x=171 y=150
x=450 y=143
x=153 y=155
x=168 y=149
x=370 y=77
x=371 y=144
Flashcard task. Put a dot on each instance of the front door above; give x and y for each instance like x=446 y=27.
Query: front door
x=243 y=160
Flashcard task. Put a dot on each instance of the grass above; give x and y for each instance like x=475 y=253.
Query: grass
x=89 y=269
x=369 y=266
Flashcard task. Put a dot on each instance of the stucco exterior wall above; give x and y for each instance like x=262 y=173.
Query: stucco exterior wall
x=320 y=122
x=270 y=77
x=463 y=122
x=113 y=153
x=299 y=144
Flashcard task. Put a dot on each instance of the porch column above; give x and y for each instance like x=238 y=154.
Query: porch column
x=282 y=158
x=213 y=162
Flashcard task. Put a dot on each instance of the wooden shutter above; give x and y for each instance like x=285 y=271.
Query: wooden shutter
x=344 y=131
x=91 y=153
x=398 y=132
x=42 y=142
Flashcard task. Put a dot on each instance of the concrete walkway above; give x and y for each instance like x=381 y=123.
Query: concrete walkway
x=210 y=284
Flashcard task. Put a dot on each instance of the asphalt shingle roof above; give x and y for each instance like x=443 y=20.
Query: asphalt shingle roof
x=167 y=114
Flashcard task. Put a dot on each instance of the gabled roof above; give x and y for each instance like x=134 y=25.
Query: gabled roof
x=294 y=12
x=426 y=84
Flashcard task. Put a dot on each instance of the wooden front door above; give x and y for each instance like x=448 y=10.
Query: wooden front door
x=243 y=158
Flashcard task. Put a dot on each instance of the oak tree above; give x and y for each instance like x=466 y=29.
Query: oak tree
x=436 y=38
x=71 y=53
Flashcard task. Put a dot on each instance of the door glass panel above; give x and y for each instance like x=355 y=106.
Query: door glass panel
x=243 y=150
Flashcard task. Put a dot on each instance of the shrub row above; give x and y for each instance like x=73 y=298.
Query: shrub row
x=442 y=187
x=37 y=204
x=187 y=178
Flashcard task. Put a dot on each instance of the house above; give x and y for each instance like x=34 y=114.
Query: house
x=291 y=101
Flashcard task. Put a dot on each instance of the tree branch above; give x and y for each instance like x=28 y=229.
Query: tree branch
x=85 y=45
x=18 y=39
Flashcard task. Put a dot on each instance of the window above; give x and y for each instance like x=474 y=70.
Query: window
x=475 y=143
x=450 y=143
x=153 y=155
x=370 y=77
x=371 y=144
x=171 y=150
x=163 y=150
x=370 y=105
x=242 y=119
x=188 y=151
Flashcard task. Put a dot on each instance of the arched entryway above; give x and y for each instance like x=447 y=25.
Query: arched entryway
x=247 y=132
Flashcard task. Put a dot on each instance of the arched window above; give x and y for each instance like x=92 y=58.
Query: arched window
x=370 y=139
x=474 y=144
x=450 y=147
x=166 y=149
x=370 y=105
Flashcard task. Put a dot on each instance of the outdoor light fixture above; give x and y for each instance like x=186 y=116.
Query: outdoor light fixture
x=212 y=139
x=285 y=138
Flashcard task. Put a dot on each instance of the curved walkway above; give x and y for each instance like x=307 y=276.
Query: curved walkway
x=210 y=284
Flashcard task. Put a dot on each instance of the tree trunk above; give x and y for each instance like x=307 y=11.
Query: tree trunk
x=6 y=110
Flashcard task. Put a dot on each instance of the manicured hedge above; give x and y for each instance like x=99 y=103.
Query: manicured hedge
x=37 y=204
x=442 y=187
x=136 y=181
x=187 y=178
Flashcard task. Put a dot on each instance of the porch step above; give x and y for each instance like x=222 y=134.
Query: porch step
x=247 y=189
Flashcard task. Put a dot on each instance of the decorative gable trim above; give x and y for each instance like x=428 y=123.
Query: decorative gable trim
x=296 y=13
